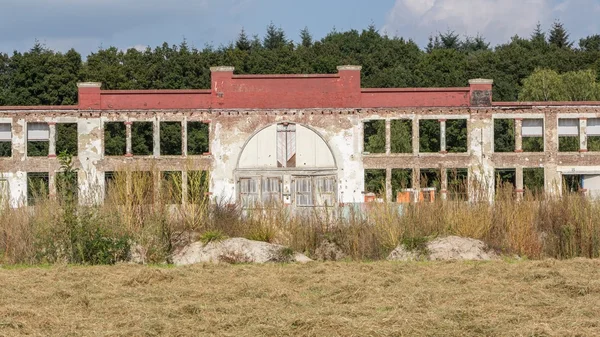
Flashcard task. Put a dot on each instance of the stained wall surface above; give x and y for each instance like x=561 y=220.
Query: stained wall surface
x=246 y=116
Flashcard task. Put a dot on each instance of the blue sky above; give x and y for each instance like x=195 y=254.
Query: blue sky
x=87 y=25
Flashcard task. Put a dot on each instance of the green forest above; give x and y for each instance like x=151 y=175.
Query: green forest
x=546 y=65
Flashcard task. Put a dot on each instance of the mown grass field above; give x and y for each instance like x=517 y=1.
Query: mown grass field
x=503 y=298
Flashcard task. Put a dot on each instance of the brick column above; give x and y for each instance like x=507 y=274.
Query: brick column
x=128 y=152
x=518 y=135
x=415 y=135
x=388 y=136
x=583 y=135
x=443 y=136
x=184 y=146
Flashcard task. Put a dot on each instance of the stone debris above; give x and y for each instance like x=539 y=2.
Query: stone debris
x=236 y=250
x=444 y=249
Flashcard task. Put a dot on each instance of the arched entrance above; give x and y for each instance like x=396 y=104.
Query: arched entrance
x=286 y=163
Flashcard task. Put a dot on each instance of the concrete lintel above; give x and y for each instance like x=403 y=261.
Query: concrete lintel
x=89 y=84
x=222 y=68
x=349 y=67
x=481 y=81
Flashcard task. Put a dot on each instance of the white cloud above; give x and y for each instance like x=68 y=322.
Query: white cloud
x=497 y=20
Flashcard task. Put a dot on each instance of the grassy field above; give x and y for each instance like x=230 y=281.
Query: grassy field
x=504 y=298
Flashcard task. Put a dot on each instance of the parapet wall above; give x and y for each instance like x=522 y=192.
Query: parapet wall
x=229 y=91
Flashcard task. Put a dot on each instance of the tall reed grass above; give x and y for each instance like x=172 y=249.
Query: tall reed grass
x=155 y=213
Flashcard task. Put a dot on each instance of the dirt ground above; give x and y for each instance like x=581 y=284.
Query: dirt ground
x=501 y=298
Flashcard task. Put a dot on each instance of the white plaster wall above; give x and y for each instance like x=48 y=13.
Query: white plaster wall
x=225 y=147
x=17 y=185
x=91 y=181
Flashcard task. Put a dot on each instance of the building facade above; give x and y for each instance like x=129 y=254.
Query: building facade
x=307 y=140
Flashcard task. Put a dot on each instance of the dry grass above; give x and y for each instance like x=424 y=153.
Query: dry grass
x=528 y=298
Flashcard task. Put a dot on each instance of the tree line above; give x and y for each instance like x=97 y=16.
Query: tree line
x=41 y=76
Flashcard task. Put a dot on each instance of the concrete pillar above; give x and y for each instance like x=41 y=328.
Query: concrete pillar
x=52 y=140
x=416 y=183
x=156 y=138
x=444 y=183
x=184 y=187
x=52 y=184
x=583 y=134
x=388 y=186
x=184 y=146
x=518 y=135
x=388 y=136
x=519 y=188
x=415 y=135
x=443 y=136
x=128 y=152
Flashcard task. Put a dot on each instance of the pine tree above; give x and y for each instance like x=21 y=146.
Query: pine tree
x=538 y=37
x=590 y=43
x=275 y=37
x=243 y=43
x=306 y=38
x=559 y=36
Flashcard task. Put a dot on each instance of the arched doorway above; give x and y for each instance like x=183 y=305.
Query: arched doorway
x=286 y=163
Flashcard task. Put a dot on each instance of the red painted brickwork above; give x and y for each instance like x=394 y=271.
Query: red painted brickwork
x=415 y=97
x=155 y=99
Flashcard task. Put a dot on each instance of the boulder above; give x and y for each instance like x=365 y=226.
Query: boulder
x=236 y=250
x=447 y=248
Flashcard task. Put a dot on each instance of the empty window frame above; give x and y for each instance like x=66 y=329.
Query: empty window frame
x=38 y=139
x=456 y=135
x=115 y=143
x=141 y=187
x=115 y=187
x=197 y=187
x=171 y=187
x=458 y=183
x=533 y=180
x=374 y=136
x=37 y=187
x=504 y=135
x=572 y=183
x=593 y=134
x=505 y=179
x=67 y=187
x=375 y=181
x=400 y=136
x=430 y=178
x=532 y=132
x=142 y=138
x=401 y=180
x=197 y=138
x=286 y=145
x=66 y=138
x=170 y=139
x=568 y=135
x=5 y=140
x=429 y=135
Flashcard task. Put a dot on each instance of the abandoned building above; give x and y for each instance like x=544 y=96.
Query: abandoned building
x=307 y=140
